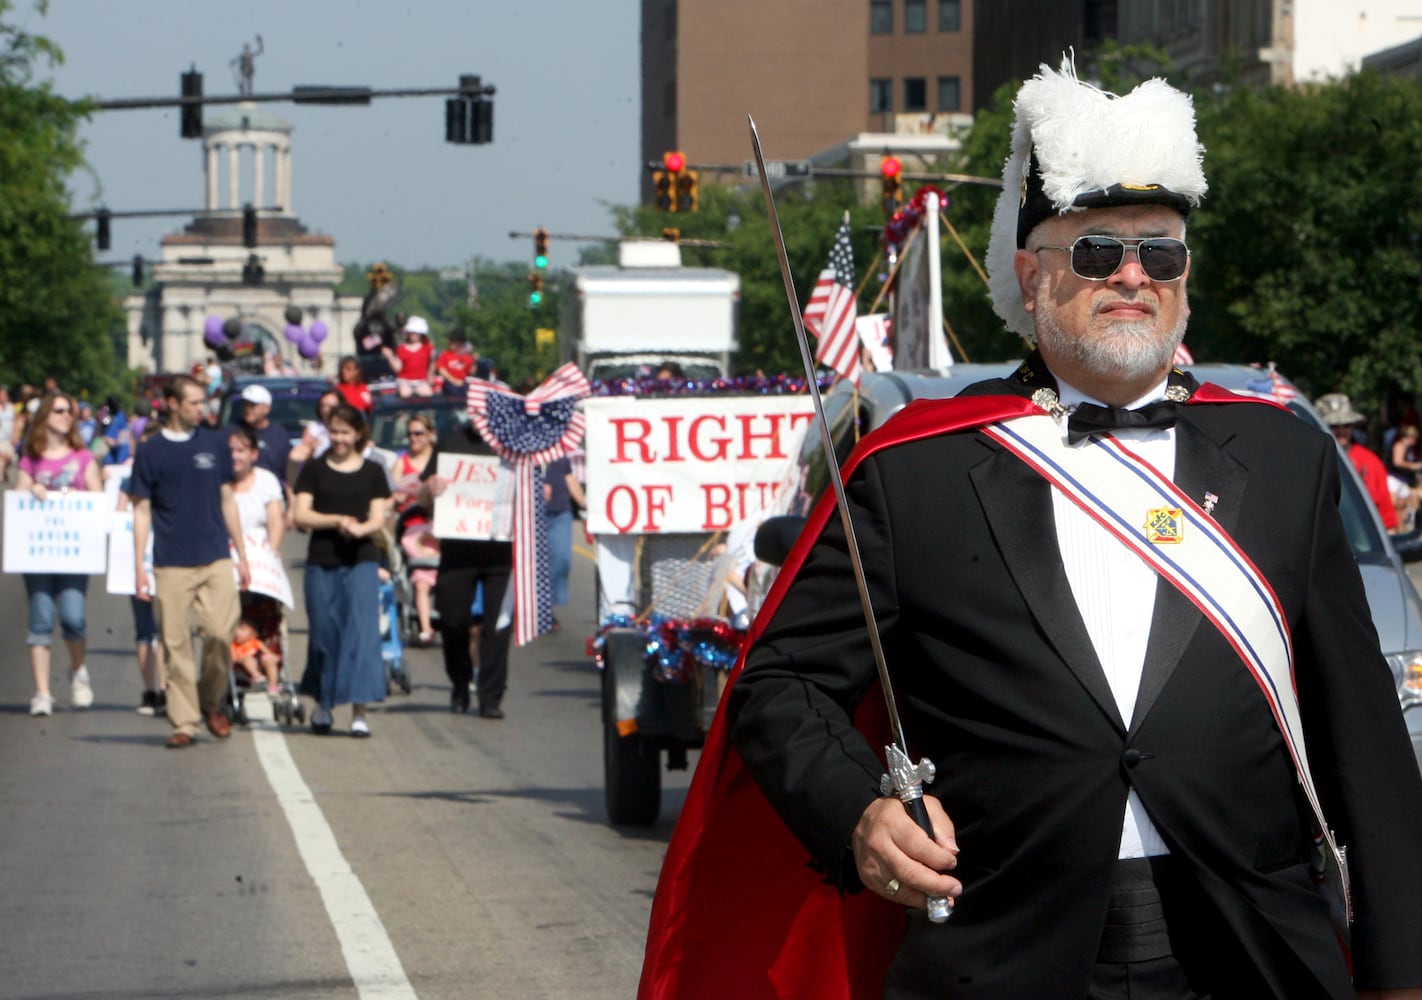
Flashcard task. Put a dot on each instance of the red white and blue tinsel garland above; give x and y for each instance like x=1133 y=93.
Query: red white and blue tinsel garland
x=746 y=385
x=529 y=432
x=677 y=646
x=903 y=222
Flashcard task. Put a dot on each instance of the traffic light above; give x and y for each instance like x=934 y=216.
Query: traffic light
x=670 y=183
x=891 y=172
x=249 y=226
x=101 y=229
x=469 y=118
x=190 y=118
x=252 y=272
x=535 y=290
x=672 y=234
x=686 y=193
x=540 y=248
x=137 y=271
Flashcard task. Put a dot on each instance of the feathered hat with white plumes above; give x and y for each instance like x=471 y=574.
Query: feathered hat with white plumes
x=1074 y=147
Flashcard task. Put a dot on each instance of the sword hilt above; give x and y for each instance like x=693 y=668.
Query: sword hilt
x=906 y=780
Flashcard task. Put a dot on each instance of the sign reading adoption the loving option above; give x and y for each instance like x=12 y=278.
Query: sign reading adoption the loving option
x=687 y=463
x=66 y=533
x=479 y=501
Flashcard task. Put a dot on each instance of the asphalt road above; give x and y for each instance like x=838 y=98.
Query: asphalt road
x=447 y=856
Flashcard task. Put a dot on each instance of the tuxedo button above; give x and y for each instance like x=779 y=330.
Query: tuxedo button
x=1131 y=757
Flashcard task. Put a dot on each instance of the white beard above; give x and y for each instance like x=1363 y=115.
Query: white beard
x=1130 y=349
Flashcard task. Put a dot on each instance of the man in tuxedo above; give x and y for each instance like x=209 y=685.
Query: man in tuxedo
x=1119 y=810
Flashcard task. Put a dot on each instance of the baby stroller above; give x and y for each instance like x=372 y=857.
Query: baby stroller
x=266 y=614
x=392 y=648
x=408 y=576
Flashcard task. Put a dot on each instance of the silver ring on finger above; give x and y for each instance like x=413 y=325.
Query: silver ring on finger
x=893 y=887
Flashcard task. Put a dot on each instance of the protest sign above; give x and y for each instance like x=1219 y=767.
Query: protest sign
x=65 y=533
x=478 y=503
x=688 y=463
x=264 y=564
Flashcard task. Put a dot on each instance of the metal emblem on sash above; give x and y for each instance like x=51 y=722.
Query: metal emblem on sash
x=1165 y=525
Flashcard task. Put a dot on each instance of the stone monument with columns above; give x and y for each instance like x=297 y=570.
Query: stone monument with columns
x=206 y=269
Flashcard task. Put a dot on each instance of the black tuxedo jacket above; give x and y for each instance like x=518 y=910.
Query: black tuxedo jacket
x=1000 y=685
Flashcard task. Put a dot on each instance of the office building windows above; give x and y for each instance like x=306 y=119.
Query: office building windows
x=950 y=15
x=881 y=95
x=881 y=17
x=915 y=17
x=915 y=94
x=950 y=95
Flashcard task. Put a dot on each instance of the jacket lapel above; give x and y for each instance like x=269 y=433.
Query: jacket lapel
x=1017 y=503
x=1201 y=465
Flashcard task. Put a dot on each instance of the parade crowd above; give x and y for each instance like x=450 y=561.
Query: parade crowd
x=209 y=502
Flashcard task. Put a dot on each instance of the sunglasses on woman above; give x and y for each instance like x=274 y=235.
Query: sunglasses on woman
x=1096 y=258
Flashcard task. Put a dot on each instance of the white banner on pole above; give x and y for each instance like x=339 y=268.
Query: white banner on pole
x=64 y=534
x=687 y=464
x=479 y=502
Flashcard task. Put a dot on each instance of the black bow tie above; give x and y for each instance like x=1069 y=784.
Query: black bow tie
x=1088 y=419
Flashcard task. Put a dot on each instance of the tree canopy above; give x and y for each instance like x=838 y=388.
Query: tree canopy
x=57 y=312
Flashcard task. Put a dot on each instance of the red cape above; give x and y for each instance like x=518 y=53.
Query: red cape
x=739 y=912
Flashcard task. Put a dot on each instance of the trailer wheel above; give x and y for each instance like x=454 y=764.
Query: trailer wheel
x=632 y=778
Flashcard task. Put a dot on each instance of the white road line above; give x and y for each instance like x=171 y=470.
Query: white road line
x=370 y=957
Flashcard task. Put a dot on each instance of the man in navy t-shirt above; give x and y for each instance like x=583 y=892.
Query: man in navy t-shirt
x=182 y=487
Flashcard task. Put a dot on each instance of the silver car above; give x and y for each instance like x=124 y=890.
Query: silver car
x=1392 y=598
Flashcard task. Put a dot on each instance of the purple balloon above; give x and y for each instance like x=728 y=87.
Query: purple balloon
x=212 y=327
x=294 y=333
x=318 y=332
x=308 y=348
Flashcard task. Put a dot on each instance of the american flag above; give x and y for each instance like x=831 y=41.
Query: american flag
x=831 y=310
x=1183 y=357
x=1272 y=385
x=529 y=431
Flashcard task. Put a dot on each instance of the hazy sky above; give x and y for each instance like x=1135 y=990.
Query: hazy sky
x=379 y=178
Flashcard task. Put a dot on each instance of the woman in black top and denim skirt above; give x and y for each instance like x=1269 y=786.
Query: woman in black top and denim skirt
x=341 y=497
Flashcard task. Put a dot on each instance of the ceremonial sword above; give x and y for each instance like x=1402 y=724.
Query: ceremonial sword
x=905 y=779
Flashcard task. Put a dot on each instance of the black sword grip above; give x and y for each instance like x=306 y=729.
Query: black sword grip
x=919 y=812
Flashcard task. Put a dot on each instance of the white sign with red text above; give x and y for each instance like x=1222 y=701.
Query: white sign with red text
x=687 y=464
x=479 y=501
x=264 y=564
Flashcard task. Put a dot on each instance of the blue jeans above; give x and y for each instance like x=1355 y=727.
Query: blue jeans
x=560 y=554
x=66 y=591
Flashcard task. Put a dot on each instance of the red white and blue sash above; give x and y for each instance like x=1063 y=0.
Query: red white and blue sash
x=1122 y=493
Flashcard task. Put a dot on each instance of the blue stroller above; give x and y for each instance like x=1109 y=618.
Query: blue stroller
x=392 y=650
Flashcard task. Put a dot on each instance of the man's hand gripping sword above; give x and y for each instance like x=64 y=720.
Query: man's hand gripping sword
x=904 y=779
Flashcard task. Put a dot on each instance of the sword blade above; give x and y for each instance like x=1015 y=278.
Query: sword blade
x=827 y=442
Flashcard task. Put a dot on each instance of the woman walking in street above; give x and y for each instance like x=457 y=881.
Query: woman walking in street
x=260 y=511
x=54 y=459
x=341 y=498
x=415 y=524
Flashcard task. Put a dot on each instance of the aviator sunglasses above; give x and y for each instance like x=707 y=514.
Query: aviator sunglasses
x=1096 y=258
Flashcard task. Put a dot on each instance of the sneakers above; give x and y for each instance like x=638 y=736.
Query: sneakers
x=41 y=704
x=149 y=704
x=321 y=721
x=359 y=729
x=160 y=703
x=80 y=693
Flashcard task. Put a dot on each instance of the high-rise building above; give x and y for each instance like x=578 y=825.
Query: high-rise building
x=813 y=74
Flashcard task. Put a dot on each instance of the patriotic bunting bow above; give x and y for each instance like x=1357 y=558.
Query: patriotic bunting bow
x=529 y=432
